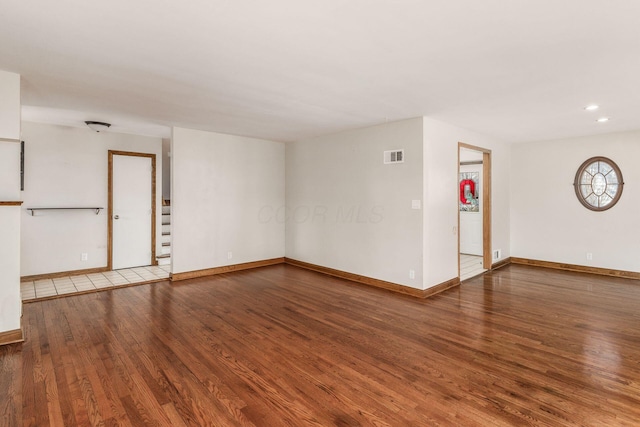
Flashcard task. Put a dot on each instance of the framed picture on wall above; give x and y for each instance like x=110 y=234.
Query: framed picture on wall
x=469 y=190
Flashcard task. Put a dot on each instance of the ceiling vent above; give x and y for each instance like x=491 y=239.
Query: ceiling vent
x=394 y=156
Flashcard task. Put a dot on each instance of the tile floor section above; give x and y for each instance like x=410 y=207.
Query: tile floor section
x=470 y=266
x=91 y=282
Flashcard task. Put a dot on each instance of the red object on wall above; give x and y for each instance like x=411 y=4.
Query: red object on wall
x=472 y=189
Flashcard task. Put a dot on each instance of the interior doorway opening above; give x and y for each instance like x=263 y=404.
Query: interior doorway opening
x=474 y=210
x=132 y=204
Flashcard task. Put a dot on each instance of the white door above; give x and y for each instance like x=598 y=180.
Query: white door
x=471 y=242
x=131 y=211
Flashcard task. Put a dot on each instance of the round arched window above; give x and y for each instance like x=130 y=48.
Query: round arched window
x=598 y=183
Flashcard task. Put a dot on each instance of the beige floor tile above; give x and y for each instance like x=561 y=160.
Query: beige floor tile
x=63 y=284
x=27 y=285
x=111 y=274
x=103 y=285
x=85 y=287
x=28 y=294
x=41 y=293
x=82 y=283
x=470 y=266
x=126 y=271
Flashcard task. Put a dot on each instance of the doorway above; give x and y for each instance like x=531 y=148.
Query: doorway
x=131 y=240
x=474 y=210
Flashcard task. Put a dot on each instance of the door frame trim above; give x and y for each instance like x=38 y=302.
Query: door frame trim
x=152 y=156
x=486 y=205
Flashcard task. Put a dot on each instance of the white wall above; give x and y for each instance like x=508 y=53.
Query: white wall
x=441 y=197
x=348 y=211
x=221 y=187
x=10 y=130
x=10 y=304
x=66 y=166
x=9 y=170
x=166 y=168
x=548 y=221
x=9 y=105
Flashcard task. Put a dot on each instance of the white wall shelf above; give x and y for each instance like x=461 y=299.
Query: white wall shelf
x=32 y=210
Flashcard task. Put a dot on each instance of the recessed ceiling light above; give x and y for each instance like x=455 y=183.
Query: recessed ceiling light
x=603 y=119
x=591 y=107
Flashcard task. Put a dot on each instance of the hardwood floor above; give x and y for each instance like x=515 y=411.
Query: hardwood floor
x=284 y=346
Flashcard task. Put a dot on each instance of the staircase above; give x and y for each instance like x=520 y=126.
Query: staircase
x=164 y=258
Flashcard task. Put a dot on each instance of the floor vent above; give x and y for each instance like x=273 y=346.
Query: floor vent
x=394 y=156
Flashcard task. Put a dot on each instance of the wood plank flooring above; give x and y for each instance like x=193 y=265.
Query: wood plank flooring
x=281 y=346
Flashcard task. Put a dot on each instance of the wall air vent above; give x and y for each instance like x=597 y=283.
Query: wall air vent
x=394 y=156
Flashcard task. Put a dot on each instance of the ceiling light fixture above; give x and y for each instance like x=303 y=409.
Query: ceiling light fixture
x=591 y=107
x=98 y=126
x=602 y=119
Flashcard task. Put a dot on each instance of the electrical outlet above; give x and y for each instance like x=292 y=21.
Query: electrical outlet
x=497 y=254
x=229 y=255
x=84 y=257
x=589 y=256
x=412 y=274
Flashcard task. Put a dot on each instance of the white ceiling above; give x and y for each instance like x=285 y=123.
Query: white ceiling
x=517 y=70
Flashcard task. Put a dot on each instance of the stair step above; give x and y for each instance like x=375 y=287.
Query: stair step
x=166 y=233
x=163 y=256
x=166 y=244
